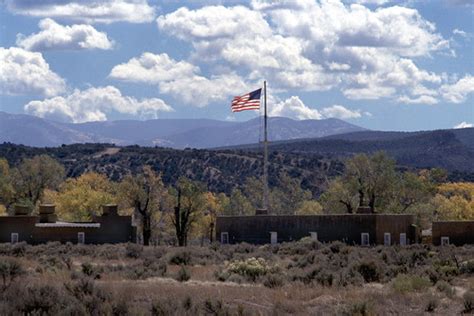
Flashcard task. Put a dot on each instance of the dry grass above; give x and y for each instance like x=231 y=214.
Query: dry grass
x=137 y=285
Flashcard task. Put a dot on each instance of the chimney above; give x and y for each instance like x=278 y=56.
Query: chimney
x=21 y=210
x=261 y=211
x=47 y=213
x=364 y=210
x=109 y=210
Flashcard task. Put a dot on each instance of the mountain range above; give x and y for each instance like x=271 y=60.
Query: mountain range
x=175 y=133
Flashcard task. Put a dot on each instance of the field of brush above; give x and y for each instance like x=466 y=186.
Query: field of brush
x=302 y=278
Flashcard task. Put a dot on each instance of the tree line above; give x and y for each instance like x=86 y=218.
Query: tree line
x=188 y=209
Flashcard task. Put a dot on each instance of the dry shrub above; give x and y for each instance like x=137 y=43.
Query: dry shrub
x=404 y=283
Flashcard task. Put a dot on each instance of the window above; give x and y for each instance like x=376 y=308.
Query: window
x=273 y=238
x=14 y=238
x=364 y=239
x=81 y=238
x=314 y=236
x=403 y=239
x=224 y=238
x=444 y=241
x=387 y=239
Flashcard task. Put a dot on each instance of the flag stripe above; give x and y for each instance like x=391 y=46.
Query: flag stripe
x=249 y=101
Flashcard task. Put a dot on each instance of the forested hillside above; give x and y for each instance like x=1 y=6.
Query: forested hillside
x=220 y=170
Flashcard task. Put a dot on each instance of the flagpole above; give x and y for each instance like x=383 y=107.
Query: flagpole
x=265 y=150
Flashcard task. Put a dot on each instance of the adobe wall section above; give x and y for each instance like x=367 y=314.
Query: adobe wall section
x=459 y=232
x=344 y=227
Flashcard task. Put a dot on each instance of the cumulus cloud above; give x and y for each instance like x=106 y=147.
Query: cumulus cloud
x=54 y=36
x=179 y=78
x=24 y=72
x=459 y=91
x=463 y=125
x=94 y=104
x=314 y=45
x=341 y=112
x=89 y=11
x=293 y=107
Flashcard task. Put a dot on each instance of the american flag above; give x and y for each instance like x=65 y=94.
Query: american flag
x=249 y=101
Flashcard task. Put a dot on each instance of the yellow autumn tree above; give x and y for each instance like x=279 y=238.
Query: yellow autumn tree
x=78 y=199
x=454 y=201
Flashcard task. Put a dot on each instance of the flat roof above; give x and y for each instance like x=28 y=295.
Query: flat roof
x=68 y=224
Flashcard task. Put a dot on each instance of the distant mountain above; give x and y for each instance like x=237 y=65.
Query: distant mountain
x=449 y=149
x=174 y=133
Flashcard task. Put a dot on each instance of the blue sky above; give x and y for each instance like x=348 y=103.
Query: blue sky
x=380 y=64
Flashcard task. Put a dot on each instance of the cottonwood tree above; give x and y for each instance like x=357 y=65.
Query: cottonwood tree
x=339 y=195
x=190 y=205
x=34 y=175
x=78 y=199
x=7 y=192
x=149 y=197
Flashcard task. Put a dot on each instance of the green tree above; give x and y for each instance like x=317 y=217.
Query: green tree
x=238 y=204
x=7 y=192
x=149 y=197
x=191 y=202
x=339 y=195
x=36 y=174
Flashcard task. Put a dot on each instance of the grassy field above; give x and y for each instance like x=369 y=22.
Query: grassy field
x=302 y=278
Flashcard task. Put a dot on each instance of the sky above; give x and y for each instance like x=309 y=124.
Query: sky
x=380 y=64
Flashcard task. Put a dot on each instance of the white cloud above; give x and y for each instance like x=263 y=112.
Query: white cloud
x=54 y=36
x=313 y=45
x=423 y=99
x=463 y=125
x=24 y=72
x=89 y=11
x=93 y=104
x=377 y=2
x=179 y=78
x=293 y=107
x=459 y=91
x=459 y=32
x=341 y=112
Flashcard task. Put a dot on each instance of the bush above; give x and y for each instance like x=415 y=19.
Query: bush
x=431 y=304
x=445 y=288
x=363 y=308
x=410 y=283
x=273 y=281
x=9 y=270
x=467 y=267
x=183 y=274
x=369 y=271
x=251 y=268
x=180 y=257
x=133 y=250
x=468 y=301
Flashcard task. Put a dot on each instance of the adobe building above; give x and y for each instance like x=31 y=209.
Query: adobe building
x=34 y=229
x=453 y=232
x=356 y=229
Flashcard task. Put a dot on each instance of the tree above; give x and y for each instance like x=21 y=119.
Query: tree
x=291 y=195
x=454 y=201
x=238 y=204
x=36 y=174
x=215 y=205
x=410 y=190
x=339 y=194
x=7 y=192
x=309 y=207
x=78 y=199
x=147 y=194
x=190 y=204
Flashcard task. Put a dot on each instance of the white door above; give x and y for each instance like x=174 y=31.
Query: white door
x=273 y=238
x=314 y=236
x=81 y=238
x=387 y=239
x=444 y=241
x=224 y=238
x=364 y=239
x=14 y=238
x=403 y=239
